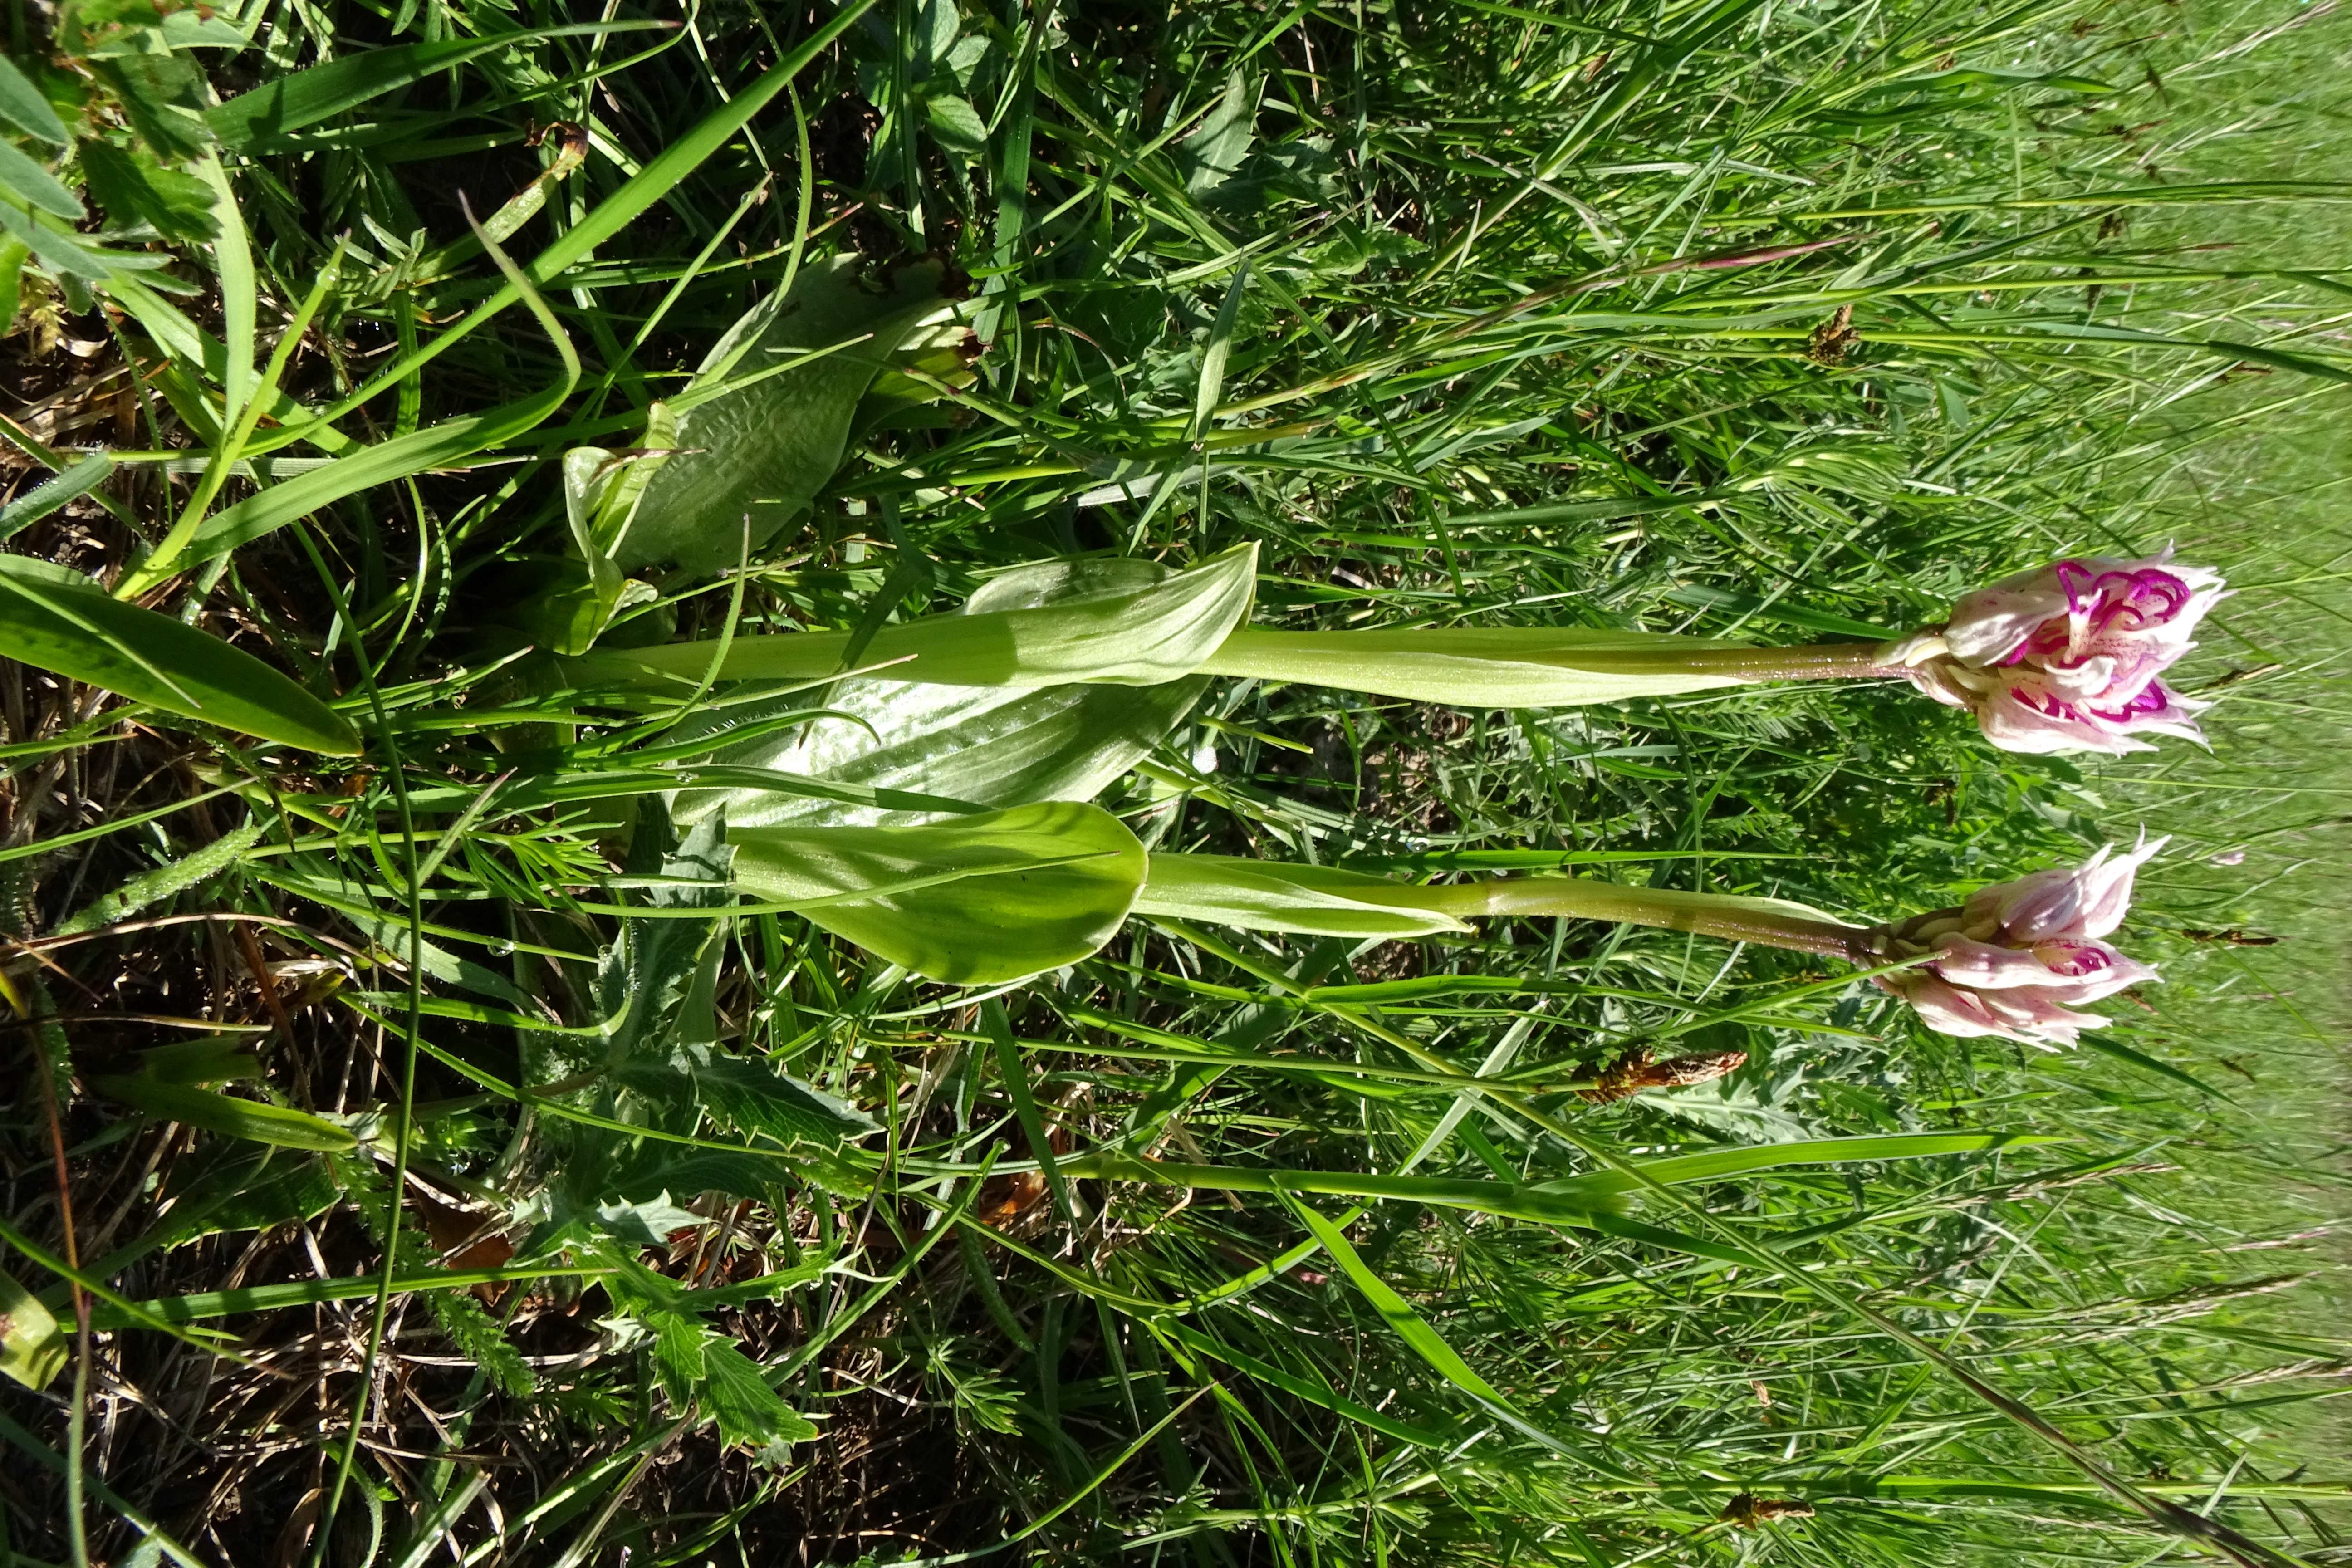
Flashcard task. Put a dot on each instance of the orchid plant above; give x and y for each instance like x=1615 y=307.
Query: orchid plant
x=2066 y=657
x=974 y=864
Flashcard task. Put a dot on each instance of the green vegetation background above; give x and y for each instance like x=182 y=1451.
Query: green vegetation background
x=2180 y=1309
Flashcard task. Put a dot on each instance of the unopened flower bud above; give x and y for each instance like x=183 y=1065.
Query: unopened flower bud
x=2019 y=957
x=2067 y=658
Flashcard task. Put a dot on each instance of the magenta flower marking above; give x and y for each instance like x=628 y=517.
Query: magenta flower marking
x=2066 y=657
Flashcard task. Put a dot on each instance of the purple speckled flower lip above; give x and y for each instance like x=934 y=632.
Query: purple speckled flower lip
x=2099 y=602
x=2073 y=959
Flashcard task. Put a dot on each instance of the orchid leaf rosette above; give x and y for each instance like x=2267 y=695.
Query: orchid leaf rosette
x=2070 y=657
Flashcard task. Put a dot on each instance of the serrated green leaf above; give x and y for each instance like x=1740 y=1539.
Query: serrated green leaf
x=739 y=1400
x=132 y=186
x=972 y=901
x=756 y=1099
x=162 y=96
x=61 y=621
x=248 y=1119
x=1266 y=895
x=152 y=887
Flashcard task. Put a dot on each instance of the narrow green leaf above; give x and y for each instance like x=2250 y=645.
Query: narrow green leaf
x=1474 y=666
x=41 y=500
x=1605 y=1187
x=215 y=1112
x=383 y=463
x=61 y=621
x=973 y=900
x=1409 y=1326
x=252 y=121
x=316 y=1292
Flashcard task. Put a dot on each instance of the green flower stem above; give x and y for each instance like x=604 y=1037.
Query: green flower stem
x=1702 y=914
x=1408 y=662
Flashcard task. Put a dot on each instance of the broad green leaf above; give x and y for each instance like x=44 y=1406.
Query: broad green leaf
x=60 y=621
x=765 y=449
x=1123 y=630
x=1474 y=667
x=1265 y=895
x=956 y=124
x=31 y=1350
x=248 y=1119
x=982 y=745
x=22 y=106
x=972 y=901
x=287 y=103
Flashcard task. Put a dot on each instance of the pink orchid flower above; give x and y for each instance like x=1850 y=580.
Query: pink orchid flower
x=2067 y=658
x=2019 y=957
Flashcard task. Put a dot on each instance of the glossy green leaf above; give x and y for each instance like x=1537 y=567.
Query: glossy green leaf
x=765 y=449
x=1124 y=627
x=1474 y=667
x=1265 y=895
x=31 y=1350
x=224 y=1114
x=980 y=745
x=61 y=621
x=972 y=901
